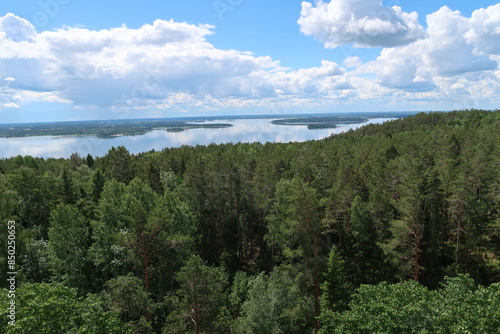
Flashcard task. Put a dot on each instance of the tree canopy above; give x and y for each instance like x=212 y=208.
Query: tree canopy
x=391 y=228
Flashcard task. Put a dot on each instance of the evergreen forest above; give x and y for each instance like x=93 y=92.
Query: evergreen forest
x=390 y=228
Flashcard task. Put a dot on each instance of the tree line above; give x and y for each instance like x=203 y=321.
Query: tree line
x=394 y=224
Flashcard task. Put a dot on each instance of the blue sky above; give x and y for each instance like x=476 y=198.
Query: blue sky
x=73 y=60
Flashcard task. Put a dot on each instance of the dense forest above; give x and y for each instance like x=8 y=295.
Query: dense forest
x=391 y=228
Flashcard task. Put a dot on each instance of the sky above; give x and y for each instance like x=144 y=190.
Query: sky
x=89 y=60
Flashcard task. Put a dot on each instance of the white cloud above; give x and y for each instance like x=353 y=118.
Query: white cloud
x=161 y=65
x=485 y=29
x=9 y=98
x=364 y=23
x=447 y=50
x=54 y=98
x=423 y=65
x=352 y=61
x=416 y=66
x=168 y=65
x=327 y=69
x=15 y=29
x=10 y=105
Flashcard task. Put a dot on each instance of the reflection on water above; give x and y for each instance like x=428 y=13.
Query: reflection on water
x=243 y=130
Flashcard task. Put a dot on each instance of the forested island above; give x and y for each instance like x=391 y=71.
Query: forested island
x=319 y=122
x=136 y=127
x=390 y=228
x=101 y=129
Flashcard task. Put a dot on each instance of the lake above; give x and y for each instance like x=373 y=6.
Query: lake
x=243 y=130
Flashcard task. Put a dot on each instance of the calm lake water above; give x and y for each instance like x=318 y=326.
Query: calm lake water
x=243 y=130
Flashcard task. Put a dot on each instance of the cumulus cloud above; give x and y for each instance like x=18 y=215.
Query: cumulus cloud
x=328 y=68
x=9 y=97
x=364 y=23
x=454 y=58
x=448 y=51
x=10 y=105
x=15 y=29
x=352 y=61
x=160 y=65
x=402 y=73
x=167 y=65
x=485 y=29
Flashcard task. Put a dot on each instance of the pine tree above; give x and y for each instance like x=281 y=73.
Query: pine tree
x=335 y=288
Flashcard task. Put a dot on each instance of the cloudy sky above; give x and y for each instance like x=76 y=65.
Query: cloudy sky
x=76 y=60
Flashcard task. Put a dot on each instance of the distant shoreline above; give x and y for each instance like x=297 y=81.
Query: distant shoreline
x=137 y=127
